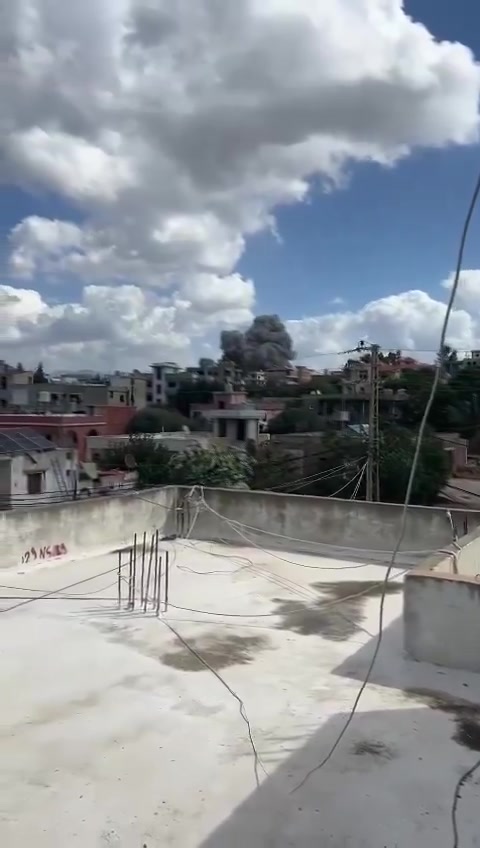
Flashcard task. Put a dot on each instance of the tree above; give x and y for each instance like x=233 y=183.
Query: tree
x=266 y=344
x=397 y=447
x=157 y=466
x=159 y=420
x=20 y=369
x=296 y=419
x=448 y=359
x=190 y=392
x=212 y=467
x=151 y=460
x=39 y=375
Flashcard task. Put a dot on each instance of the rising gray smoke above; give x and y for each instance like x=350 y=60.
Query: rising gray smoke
x=266 y=344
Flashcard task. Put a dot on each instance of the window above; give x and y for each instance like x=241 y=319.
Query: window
x=172 y=384
x=222 y=428
x=241 y=431
x=221 y=404
x=122 y=398
x=3 y=383
x=149 y=397
x=34 y=483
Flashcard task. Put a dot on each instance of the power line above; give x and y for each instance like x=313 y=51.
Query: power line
x=411 y=479
x=460 y=783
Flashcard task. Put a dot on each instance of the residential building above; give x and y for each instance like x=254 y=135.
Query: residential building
x=232 y=417
x=14 y=385
x=165 y=382
x=68 y=431
x=33 y=470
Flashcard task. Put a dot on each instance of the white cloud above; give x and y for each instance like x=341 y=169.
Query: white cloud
x=127 y=326
x=177 y=128
x=411 y=320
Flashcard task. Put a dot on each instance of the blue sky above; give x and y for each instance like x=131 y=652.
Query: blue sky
x=130 y=220
x=388 y=230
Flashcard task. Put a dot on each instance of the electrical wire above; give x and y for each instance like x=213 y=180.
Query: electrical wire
x=256 y=757
x=62 y=589
x=460 y=783
x=411 y=479
x=359 y=483
x=349 y=482
x=328 y=472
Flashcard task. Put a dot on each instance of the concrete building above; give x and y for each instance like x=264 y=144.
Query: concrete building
x=33 y=470
x=232 y=417
x=123 y=734
x=14 y=385
x=165 y=381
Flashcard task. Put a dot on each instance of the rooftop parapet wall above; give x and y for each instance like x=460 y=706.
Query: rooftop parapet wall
x=31 y=536
x=442 y=606
x=302 y=523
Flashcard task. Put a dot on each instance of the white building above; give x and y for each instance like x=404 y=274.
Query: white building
x=165 y=381
x=33 y=470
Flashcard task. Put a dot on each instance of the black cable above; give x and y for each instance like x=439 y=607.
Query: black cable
x=460 y=783
x=243 y=713
x=61 y=589
x=451 y=300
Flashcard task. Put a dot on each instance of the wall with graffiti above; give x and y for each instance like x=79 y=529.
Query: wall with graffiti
x=45 y=552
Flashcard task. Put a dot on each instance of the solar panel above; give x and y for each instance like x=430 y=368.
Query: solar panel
x=23 y=441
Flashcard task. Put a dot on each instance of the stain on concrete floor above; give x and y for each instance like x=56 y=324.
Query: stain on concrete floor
x=219 y=651
x=465 y=714
x=326 y=617
x=373 y=748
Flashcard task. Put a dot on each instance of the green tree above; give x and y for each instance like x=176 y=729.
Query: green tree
x=39 y=374
x=157 y=466
x=159 y=420
x=190 y=392
x=212 y=467
x=397 y=447
x=142 y=454
x=296 y=419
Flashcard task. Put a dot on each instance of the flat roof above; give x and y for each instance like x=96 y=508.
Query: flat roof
x=115 y=734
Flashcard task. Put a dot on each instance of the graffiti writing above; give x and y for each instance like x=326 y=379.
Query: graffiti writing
x=47 y=552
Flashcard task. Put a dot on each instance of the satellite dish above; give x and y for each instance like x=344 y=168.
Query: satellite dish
x=130 y=461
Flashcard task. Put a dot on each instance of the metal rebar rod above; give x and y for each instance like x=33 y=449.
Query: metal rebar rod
x=167 y=578
x=130 y=575
x=119 y=580
x=149 y=575
x=155 y=573
x=134 y=575
x=157 y=607
x=142 y=574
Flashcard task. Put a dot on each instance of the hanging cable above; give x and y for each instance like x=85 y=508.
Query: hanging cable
x=411 y=479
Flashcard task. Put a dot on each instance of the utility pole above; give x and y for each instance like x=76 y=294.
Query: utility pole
x=373 y=451
x=373 y=457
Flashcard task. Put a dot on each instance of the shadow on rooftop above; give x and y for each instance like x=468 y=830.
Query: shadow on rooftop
x=389 y=784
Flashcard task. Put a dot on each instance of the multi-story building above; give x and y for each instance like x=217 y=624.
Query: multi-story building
x=165 y=382
x=14 y=385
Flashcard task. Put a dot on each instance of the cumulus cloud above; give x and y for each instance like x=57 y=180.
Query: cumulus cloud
x=127 y=326
x=175 y=130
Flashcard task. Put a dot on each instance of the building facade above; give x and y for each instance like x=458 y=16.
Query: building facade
x=33 y=471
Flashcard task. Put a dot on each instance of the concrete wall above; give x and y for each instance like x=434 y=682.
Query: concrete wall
x=442 y=619
x=80 y=527
x=343 y=524
x=462 y=558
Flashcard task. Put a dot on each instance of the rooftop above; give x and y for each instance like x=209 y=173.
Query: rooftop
x=14 y=442
x=115 y=734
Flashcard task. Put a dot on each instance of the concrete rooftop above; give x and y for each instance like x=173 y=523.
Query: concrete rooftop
x=113 y=734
